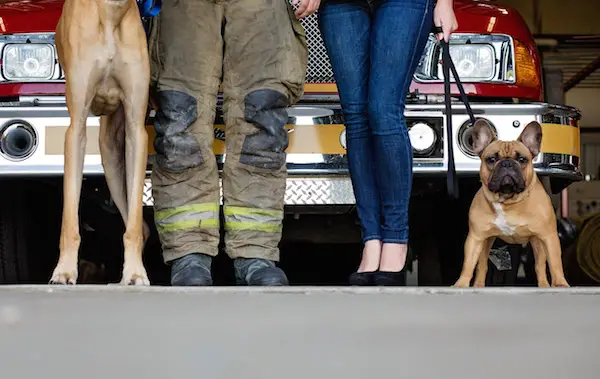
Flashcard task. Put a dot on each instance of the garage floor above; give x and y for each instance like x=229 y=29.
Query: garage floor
x=224 y=332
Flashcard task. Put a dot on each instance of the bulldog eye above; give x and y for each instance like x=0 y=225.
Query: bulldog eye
x=491 y=159
x=522 y=159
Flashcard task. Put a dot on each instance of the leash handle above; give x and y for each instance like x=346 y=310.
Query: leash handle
x=447 y=67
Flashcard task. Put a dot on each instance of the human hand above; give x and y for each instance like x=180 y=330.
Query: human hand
x=306 y=8
x=443 y=16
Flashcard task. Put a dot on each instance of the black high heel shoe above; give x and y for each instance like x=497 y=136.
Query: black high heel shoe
x=390 y=278
x=361 y=278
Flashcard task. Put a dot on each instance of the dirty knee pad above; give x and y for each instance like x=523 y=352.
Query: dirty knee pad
x=176 y=147
x=258 y=272
x=192 y=270
x=266 y=110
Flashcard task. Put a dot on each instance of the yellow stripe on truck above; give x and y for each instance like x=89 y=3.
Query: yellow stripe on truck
x=320 y=88
x=313 y=88
x=317 y=139
x=560 y=139
x=303 y=139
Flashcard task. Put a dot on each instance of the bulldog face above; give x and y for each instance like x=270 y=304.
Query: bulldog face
x=506 y=166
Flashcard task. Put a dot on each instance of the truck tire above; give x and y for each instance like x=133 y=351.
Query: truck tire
x=13 y=235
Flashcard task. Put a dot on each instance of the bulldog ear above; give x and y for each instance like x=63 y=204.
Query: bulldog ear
x=483 y=135
x=531 y=137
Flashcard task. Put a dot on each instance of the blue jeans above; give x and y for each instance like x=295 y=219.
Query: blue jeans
x=374 y=48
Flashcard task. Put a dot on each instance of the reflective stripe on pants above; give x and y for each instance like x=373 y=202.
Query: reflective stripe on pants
x=253 y=219
x=205 y=216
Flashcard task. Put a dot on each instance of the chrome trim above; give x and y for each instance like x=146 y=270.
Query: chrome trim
x=550 y=111
x=41 y=106
x=33 y=37
x=50 y=112
x=327 y=189
x=299 y=191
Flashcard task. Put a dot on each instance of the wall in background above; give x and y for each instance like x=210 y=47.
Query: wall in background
x=588 y=102
x=558 y=16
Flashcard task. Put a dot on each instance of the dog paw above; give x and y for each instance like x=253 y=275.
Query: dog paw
x=543 y=284
x=478 y=285
x=462 y=283
x=64 y=274
x=135 y=277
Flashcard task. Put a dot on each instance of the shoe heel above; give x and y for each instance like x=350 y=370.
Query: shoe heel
x=361 y=279
x=390 y=279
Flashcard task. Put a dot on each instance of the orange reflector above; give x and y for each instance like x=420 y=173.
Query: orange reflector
x=527 y=72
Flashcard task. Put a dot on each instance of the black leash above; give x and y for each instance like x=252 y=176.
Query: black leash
x=447 y=66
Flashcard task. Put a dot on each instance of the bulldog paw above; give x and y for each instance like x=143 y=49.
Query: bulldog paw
x=64 y=274
x=479 y=285
x=135 y=277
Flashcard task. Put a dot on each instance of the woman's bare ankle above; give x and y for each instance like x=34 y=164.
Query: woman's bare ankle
x=370 y=257
x=393 y=257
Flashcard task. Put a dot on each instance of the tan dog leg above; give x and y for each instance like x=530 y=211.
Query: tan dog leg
x=112 y=149
x=551 y=246
x=135 y=84
x=539 y=254
x=473 y=249
x=482 y=264
x=65 y=271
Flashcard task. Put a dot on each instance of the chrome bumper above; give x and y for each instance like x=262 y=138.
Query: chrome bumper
x=316 y=175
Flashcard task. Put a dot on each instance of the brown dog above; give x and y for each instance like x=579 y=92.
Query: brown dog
x=102 y=48
x=512 y=204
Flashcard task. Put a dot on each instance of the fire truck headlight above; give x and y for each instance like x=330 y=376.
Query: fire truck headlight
x=478 y=58
x=474 y=62
x=27 y=61
x=422 y=138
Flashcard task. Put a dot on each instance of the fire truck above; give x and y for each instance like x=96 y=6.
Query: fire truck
x=496 y=58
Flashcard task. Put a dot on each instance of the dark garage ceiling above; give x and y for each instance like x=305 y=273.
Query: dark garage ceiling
x=578 y=57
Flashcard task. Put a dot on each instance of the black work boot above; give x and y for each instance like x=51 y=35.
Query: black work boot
x=192 y=270
x=258 y=272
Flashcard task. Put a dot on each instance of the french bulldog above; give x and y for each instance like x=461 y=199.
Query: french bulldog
x=512 y=205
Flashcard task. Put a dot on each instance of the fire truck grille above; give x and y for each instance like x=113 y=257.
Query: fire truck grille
x=319 y=69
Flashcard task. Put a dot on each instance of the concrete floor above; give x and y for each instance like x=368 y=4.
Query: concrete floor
x=334 y=333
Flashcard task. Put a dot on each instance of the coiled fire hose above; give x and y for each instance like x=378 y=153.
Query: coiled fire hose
x=588 y=246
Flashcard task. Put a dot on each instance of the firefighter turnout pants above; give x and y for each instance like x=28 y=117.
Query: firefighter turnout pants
x=255 y=49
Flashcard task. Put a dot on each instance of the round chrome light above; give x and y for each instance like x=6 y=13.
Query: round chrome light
x=422 y=137
x=18 y=140
x=465 y=138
